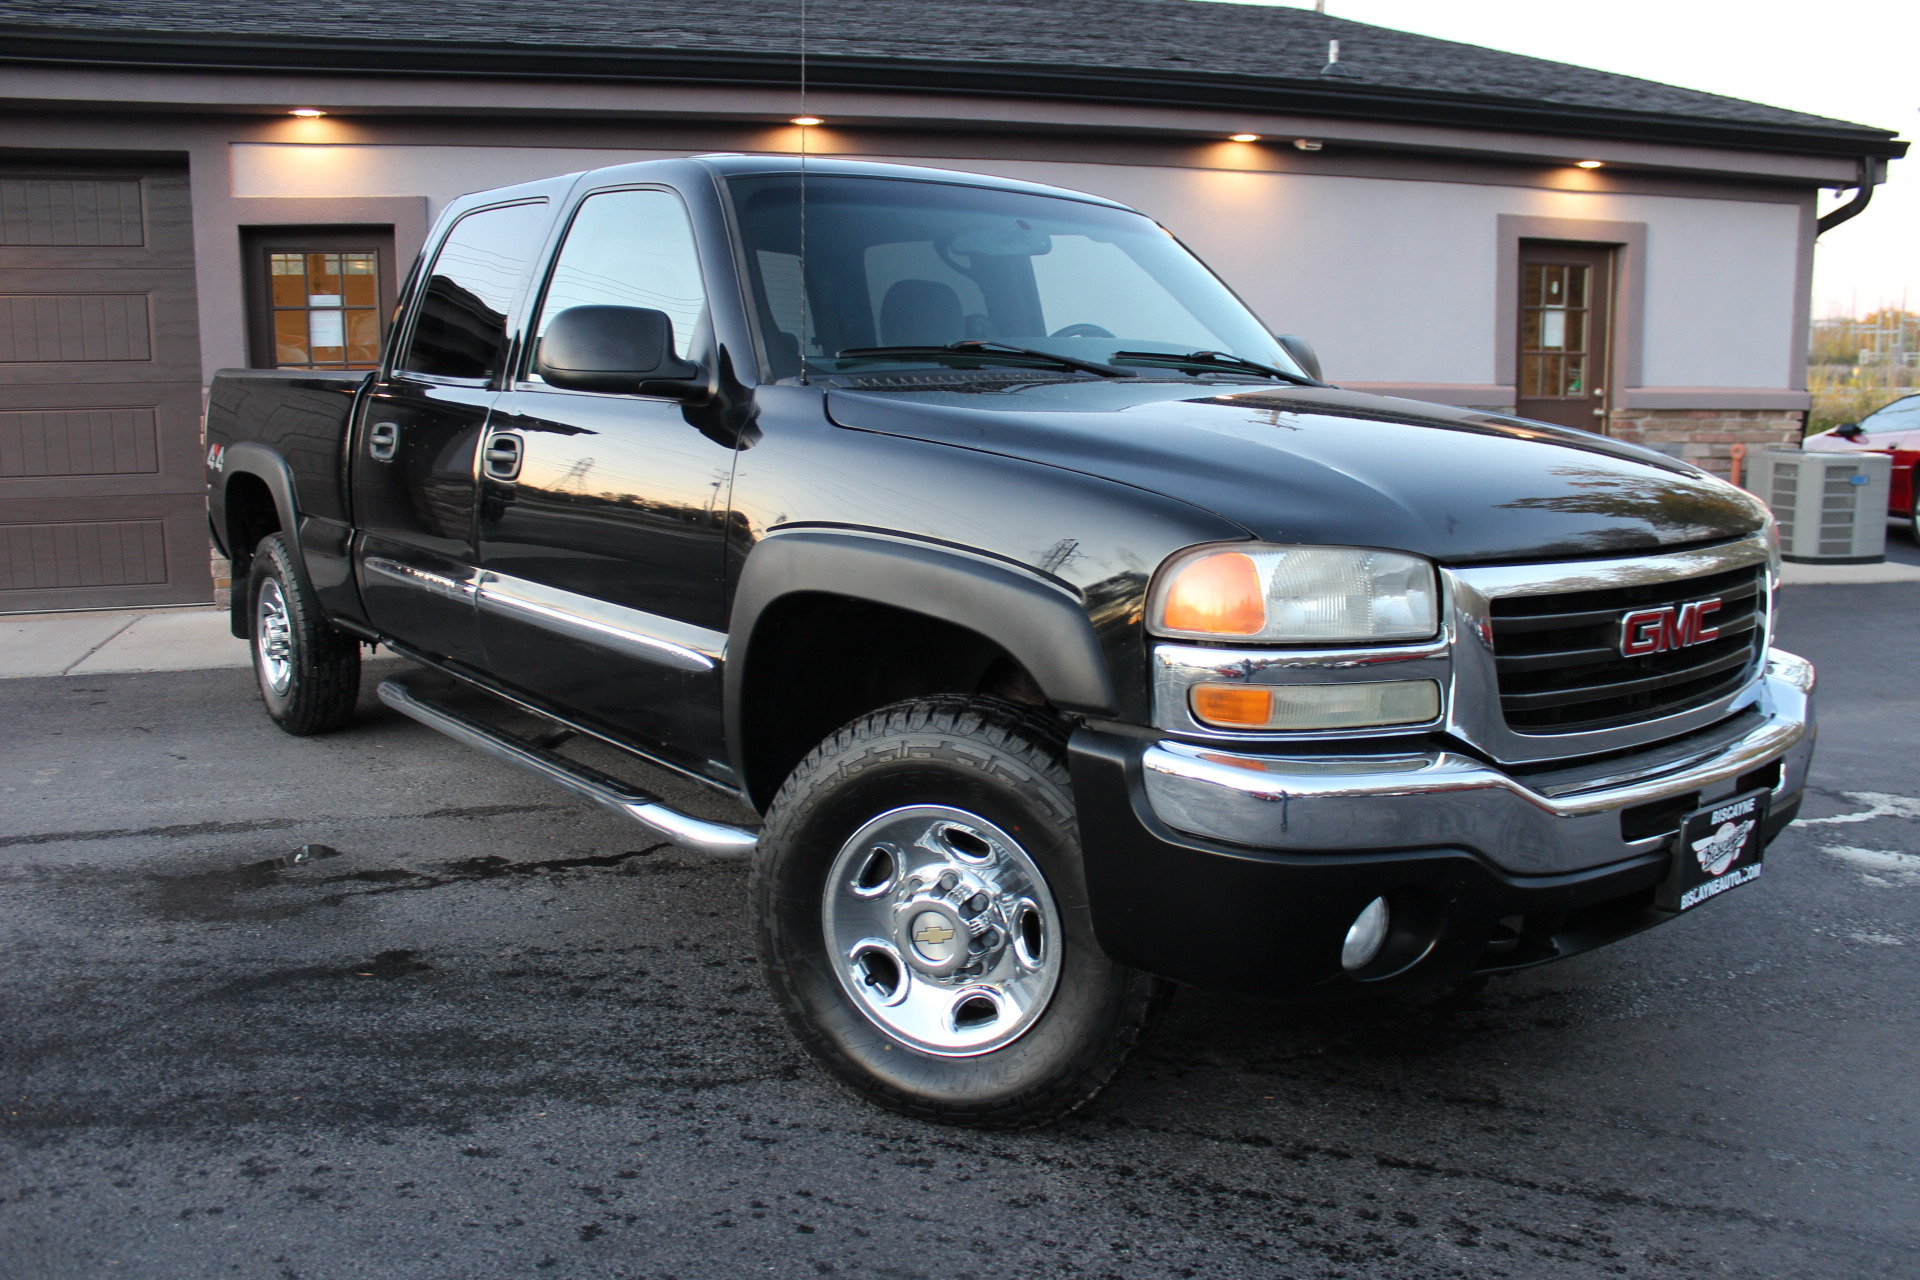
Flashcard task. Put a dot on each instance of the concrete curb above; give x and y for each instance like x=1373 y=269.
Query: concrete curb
x=1847 y=575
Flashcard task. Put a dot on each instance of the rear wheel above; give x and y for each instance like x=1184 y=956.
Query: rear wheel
x=921 y=917
x=309 y=673
x=1913 y=512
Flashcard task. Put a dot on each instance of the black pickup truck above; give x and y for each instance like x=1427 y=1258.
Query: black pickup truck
x=1071 y=635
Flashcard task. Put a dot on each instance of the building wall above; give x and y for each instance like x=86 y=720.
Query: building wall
x=1396 y=281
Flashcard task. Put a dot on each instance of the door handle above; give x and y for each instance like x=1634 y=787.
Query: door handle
x=383 y=441
x=502 y=457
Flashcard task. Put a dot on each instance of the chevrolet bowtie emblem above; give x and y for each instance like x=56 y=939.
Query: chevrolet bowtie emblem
x=933 y=933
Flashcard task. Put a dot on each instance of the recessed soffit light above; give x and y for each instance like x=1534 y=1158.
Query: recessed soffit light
x=1587 y=164
x=307 y=113
x=1244 y=137
x=805 y=120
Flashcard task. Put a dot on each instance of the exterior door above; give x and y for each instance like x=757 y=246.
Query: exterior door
x=1565 y=292
x=601 y=528
x=102 y=487
x=416 y=442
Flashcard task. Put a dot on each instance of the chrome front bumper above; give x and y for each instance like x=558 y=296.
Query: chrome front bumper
x=1538 y=823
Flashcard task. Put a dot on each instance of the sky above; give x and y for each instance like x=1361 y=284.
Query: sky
x=1858 y=61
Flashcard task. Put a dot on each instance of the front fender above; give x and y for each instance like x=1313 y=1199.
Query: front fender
x=1041 y=622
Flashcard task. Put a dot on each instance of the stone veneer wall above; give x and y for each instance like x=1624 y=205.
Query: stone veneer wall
x=1705 y=437
x=222 y=579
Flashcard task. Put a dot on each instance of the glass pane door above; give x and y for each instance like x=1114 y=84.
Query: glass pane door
x=326 y=310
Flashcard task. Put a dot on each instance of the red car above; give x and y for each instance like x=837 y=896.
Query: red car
x=1895 y=430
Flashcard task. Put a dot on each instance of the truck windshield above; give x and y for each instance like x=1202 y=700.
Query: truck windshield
x=896 y=271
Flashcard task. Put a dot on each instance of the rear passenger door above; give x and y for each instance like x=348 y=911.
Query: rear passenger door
x=417 y=441
x=603 y=515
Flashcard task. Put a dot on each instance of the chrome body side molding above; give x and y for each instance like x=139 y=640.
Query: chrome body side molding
x=440 y=584
x=642 y=808
x=638 y=634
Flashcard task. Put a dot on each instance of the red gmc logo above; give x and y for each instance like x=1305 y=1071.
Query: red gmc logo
x=1646 y=631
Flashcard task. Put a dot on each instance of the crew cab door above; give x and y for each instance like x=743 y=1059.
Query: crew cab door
x=417 y=439
x=602 y=515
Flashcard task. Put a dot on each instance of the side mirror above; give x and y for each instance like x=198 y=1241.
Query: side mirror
x=614 y=349
x=1302 y=352
x=1849 y=431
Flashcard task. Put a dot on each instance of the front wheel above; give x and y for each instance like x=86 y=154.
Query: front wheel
x=921 y=916
x=309 y=673
x=1913 y=511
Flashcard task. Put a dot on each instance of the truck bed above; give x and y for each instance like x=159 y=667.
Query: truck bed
x=300 y=414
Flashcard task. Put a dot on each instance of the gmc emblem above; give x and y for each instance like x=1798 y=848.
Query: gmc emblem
x=1646 y=631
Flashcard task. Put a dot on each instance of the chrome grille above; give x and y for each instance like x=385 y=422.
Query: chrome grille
x=1560 y=670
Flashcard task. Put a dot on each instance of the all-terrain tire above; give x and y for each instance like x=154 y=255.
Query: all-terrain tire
x=991 y=771
x=308 y=672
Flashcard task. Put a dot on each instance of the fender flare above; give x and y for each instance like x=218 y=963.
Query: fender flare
x=1040 y=622
x=264 y=464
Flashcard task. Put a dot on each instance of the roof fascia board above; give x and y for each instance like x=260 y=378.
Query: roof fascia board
x=46 y=88
x=25 y=45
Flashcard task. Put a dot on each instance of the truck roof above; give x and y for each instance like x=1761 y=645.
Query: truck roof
x=727 y=164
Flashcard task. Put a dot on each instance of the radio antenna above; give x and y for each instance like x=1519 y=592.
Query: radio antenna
x=806 y=308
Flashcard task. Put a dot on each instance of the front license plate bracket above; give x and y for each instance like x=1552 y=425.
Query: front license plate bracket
x=1718 y=848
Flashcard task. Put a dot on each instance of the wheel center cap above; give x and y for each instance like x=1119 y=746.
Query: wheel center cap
x=937 y=937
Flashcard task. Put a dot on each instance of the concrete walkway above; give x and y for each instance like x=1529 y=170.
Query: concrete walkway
x=61 y=644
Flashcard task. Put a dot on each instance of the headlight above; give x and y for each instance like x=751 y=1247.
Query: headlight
x=1256 y=591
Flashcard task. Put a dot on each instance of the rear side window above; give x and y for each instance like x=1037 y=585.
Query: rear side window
x=461 y=329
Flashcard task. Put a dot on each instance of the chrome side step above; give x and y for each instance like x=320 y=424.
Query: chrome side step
x=642 y=808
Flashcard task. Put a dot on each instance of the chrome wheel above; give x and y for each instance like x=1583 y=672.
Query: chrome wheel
x=273 y=638
x=942 y=930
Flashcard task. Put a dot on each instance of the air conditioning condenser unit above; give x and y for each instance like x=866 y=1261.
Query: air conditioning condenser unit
x=1832 y=507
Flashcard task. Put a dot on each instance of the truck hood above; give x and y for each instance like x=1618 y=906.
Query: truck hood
x=1324 y=466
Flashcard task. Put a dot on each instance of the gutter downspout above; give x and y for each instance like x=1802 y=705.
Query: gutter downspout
x=1870 y=173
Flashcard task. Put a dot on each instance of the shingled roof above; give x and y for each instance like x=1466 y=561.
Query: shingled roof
x=1186 y=52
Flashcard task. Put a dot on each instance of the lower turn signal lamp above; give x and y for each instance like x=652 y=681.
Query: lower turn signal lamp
x=1316 y=706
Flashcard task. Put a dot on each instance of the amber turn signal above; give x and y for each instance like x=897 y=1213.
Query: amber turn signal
x=1346 y=705
x=1216 y=595
x=1233 y=704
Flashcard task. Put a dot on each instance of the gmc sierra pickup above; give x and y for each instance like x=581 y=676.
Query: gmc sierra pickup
x=1070 y=634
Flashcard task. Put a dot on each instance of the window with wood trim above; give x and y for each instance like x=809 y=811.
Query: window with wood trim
x=318 y=297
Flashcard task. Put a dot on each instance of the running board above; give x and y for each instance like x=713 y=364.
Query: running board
x=642 y=808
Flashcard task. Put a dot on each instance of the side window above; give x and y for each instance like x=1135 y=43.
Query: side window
x=630 y=249
x=1901 y=415
x=461 y=330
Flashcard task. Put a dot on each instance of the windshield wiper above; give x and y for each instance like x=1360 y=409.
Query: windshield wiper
x=1219 y=360
x=977 y=347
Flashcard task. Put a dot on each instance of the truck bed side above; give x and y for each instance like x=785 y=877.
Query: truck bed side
x=277 y=459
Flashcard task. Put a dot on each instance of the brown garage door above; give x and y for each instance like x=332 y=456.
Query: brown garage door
x=101 y=482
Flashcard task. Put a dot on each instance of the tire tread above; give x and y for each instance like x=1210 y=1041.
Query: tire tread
x=326 y=677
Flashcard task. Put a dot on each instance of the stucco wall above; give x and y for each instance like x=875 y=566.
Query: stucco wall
x=1395 y=281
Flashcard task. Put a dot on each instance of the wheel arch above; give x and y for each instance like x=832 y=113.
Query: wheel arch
x=255 y=498
x=959 y=613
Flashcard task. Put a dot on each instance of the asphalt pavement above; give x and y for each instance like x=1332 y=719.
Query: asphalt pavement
x=372 y=1005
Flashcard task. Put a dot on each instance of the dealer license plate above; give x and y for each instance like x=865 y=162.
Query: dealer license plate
x=1718 y=849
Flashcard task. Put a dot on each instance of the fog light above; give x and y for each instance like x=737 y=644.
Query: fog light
x=1316 y=706
x=1365 y=936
